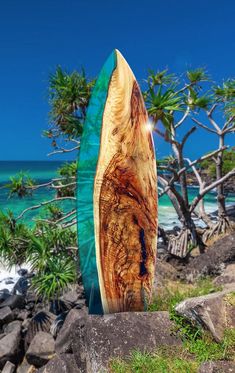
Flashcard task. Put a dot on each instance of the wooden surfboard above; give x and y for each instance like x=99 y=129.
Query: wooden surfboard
x=117 y=194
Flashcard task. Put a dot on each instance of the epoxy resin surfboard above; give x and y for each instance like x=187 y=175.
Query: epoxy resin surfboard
x=117 y=194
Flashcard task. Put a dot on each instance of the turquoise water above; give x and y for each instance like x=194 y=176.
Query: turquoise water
x=44 y=171
x=41 y=172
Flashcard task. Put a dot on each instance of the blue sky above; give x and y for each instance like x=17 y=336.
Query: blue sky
x=37 y=36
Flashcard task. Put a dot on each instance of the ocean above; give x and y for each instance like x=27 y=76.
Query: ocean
x=42 y=171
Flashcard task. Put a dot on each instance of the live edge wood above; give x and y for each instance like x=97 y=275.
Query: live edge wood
x=125 y=197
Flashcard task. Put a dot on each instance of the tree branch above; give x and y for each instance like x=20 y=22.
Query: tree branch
x=212 y=121
x=43 y=204
x=186 y=136
x=203 y=126
x=210 y=187
x=178 y=124
x=57 y=221
x=231 y=119
x=63 y=150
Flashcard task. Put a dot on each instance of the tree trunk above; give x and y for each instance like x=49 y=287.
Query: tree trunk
x=219 y=175
x=183 y=181
x=178 y=152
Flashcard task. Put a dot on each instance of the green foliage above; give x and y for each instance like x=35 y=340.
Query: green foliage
x=14 y=238
x=20 y=185
x=225 y=94
x=57 y=274
x=160 y=78
x=52 y=259
x=68 y=172
x=162 y=104
x=197 y=75
x=165 y=95
x=69 y=96
x=53 y=212
x=228 y=163
x=196 y=101
x=68 y=169
x=49 y=251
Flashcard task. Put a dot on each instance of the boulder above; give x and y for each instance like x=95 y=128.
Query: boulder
x=25 y=367
x=21 y=286
x=214 y=311
x=41 y=322
x=22 y=272
x=213 y=261
x=4 y=294
x=41 y=349
x=10 y=349
x=14 y=301
x=164 y=272
x=6 y=315
x=64 y=363
x=9 y=367
x=63 y=340
x=217 y=367
x=227 y=276
x=12 y=326
x=96 y=339
x=23 y=315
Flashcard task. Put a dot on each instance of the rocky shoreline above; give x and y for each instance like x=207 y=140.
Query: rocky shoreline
x=62 y=337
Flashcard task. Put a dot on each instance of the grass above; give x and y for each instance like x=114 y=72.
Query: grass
x=175 y=292
x=165 y=360
x=185 y=359
x=197 y=346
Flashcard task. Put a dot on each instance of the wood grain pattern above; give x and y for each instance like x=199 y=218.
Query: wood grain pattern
x=125 y=197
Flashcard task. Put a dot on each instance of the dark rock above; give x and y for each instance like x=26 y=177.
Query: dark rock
x=213 y=261
x=10 y=349
x=97 y=339
x=9 y=367
x=4 y=294
x=64 y=363
x=41 y=322
x=70 y=298
x=9 y=281
x=14 y=301
x=25 y=367
x=41 y=349
x=22 y=272
x=217 y=367
x=21 y=286
x=12 y=326
x=6 y=315
x=213 y=312
x=63 y=341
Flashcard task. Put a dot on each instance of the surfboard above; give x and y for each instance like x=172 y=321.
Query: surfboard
x=117 y=194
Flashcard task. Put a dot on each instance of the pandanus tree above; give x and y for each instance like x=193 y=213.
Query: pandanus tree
x=223 y=108
x=170 y=105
